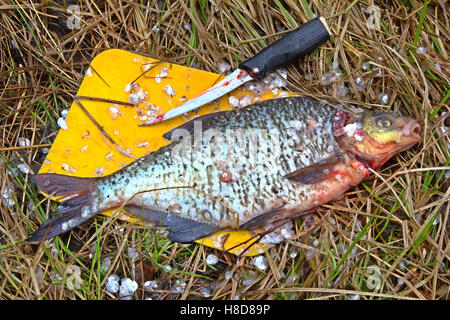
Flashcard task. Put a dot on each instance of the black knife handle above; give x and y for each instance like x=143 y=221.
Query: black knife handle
x=295 y=44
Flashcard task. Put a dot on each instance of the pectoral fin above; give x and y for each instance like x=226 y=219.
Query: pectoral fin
x=316 y=172
x=181 y=229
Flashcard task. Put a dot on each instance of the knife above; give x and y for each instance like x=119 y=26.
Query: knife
x=295 y=44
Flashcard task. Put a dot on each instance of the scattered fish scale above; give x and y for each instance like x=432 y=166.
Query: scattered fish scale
x=8 y=196
x=133 y=254
x=127 y=288
x=24 y=142
x=383 y=98
x=179 y=286
x=360 y=84
x=212 y=259
x=62 y=123
x=260 y=262
x=112 y=283
x=223 y=67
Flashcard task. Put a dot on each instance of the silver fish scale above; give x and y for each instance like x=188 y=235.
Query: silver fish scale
x=281 y=136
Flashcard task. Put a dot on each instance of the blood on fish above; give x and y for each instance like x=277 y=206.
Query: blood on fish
x=361 y=167
x=312 y=124
x=226 y=177
x=340 y=118
x=359 y=135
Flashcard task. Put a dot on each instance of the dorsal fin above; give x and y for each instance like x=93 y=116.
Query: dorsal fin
x=204 y=119
x=315 y=172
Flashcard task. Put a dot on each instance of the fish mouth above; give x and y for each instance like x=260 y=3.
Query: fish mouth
x=409 y=136
x=410 y=133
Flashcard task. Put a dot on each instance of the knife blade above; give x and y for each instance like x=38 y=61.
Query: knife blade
x=295 y=44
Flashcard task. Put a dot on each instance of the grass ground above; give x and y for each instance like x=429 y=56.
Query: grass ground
x=388 y=238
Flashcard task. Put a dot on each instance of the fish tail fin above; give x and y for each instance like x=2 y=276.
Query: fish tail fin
x=62 y=185
x=72 y=211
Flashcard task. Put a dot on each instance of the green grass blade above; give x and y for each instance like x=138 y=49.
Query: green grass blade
x=309 y=13
x=286 y=13
x=418 y=30
x=441 y=103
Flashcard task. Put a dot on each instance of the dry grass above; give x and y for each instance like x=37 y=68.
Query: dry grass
x=395 y=225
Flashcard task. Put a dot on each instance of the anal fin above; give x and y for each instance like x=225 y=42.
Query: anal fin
x=181 y=229
x=263 y=218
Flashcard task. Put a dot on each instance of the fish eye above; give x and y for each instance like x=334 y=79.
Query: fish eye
x=384 y=122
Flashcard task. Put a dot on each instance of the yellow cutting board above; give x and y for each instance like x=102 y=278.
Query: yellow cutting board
x=81 y=150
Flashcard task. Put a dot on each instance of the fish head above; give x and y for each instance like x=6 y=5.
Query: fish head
x=377 y=136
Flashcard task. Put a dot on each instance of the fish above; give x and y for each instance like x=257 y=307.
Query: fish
x=238 y=169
